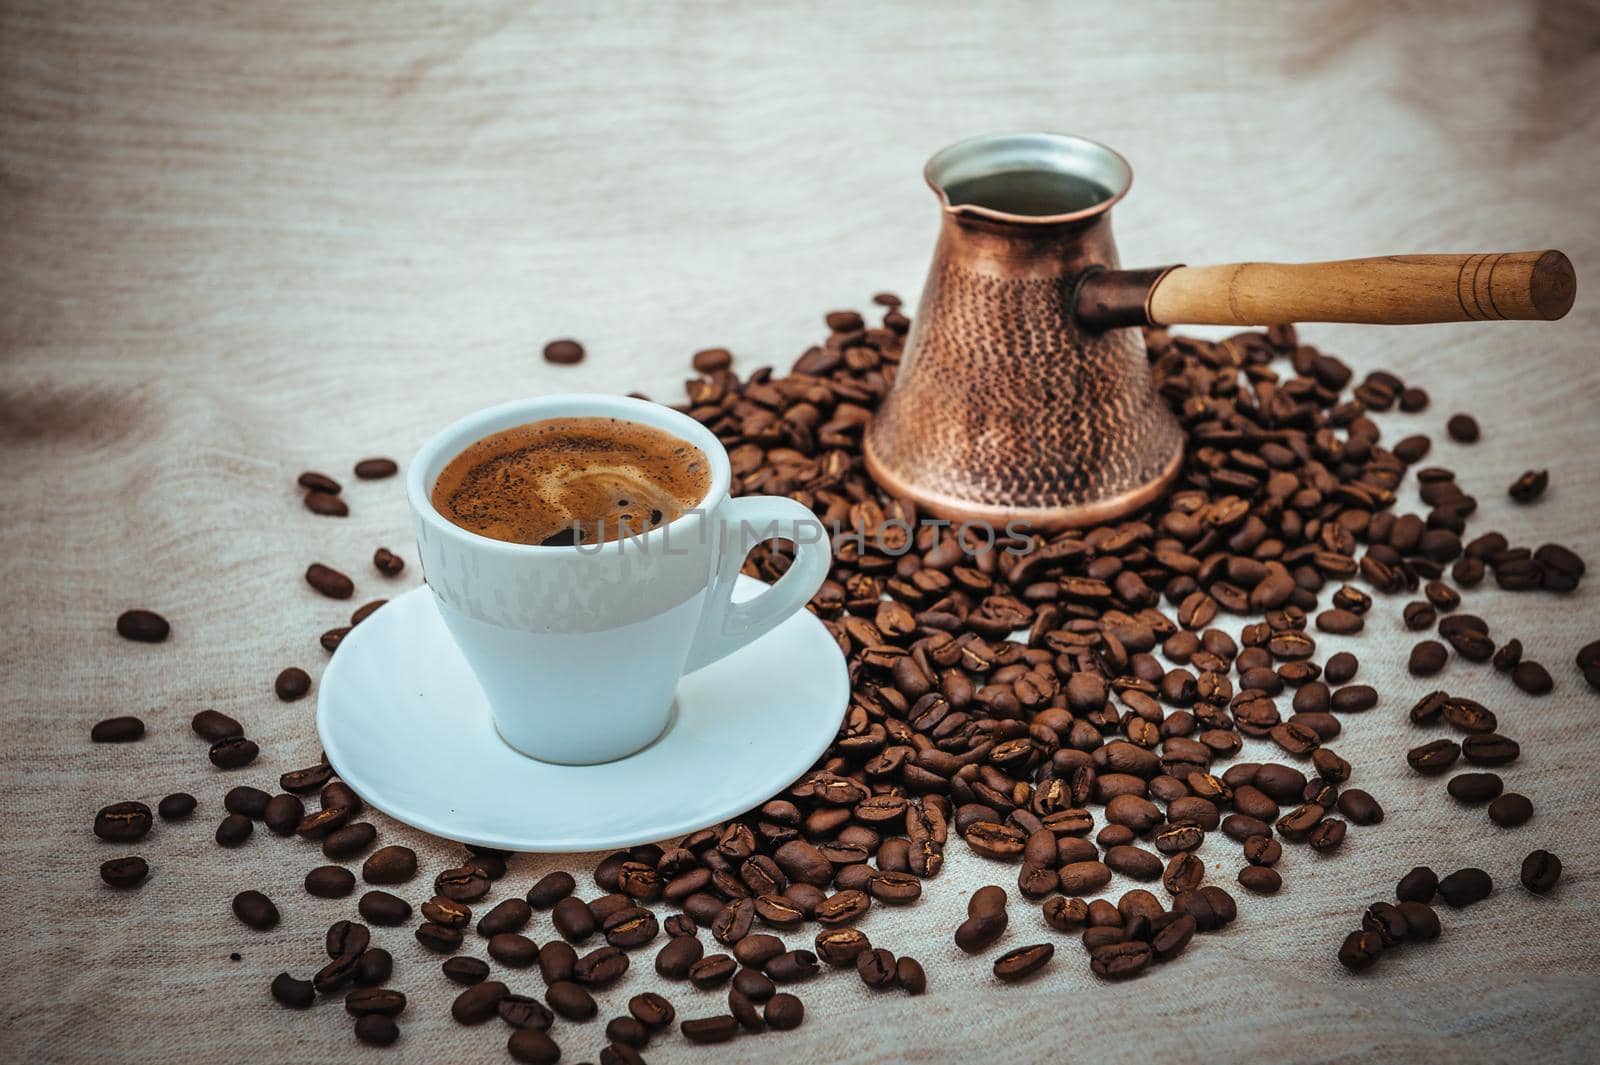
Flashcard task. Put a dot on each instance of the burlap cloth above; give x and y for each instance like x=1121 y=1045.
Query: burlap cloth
x=242 y=242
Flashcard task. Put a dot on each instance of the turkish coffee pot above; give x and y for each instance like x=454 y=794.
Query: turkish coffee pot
x=1024 y=393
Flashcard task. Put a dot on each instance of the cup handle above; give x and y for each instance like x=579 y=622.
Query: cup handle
x=727 y=626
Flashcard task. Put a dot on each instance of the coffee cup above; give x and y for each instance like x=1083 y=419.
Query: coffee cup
x=579 y=648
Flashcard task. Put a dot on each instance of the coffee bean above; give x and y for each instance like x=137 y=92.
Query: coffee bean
x=524 y=1011
x=910 y=975
x=144 y=626
x=1463 y=428
x=551 y=889
x=717 y=1029
x=326 y=504
x=513 y=949
x=1490 y=749
x=318 y=482
x=653 y=1011
x=1261 y=879
x=374 y=469
x=1529 y=486
x=1510 y=810
x=177 y=806
x=710 y=360
x=563 y=352
x=389 y=865
x=876 y=967
x=1328 y=835
x=382 y=908
x=255 y=910
x=1024 y=961
x=1465 y=887
x=570 y=1001
x=1120 y=961
x=1360 y=807
x=215 y=726
x=330 y=882
x=375 y=1001
x=842 y=907
x=792 y=966
x=573 y=919
x=295 y=994
x=329 y=582
x=1419 y=885
x=309 y=779
x=251 y=802
x=234 y=830
x=479 y=1002
x=677 y=956
x=1341 y=668
x=1541 y=870
x=1532 y=678
x=784 y=1012
x=438 y=938
x=447 y=912
x=347 y=937
x=1360 y=950
x=331 y=639
x=840 y=947
x=756 y=950
x=124 y=872
x=322 y=823
x=377 y=1030
x=123 y=822
x=387 y=562
x=365 y=611
x=510 y=915
x=1427 y=658
x=1434 y=757
x=233 y=753
x=712 y=971
x=347 y=842
x=117 y=730
x=1385 y=921
x=1474 y=787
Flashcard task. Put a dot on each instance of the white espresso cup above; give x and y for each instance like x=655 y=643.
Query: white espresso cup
x=579 y=649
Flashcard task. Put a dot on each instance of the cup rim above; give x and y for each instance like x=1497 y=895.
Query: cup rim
x=473 y=427
x=1068 y=151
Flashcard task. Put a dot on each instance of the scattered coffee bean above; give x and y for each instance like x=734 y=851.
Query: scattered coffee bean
x=1510 y=810
x=117 y=730
x=1419 y=885
x=784 y=1012
x=382 y=908
x=652 y=1011
x=717 y=1029
x=330 y=882
x=233 y=753
x=478 y=1002
x=375 y=1001
x=876 y=967
x=293 y=683
x=524 y=1011
x=1463 y=428
x=329 y=582
x=570 y=1001
x=1427 y=658
x=177 y=806
x=1465 y=887
x=1529 y=486
x=390 y=865
x=1023 y=961
x=510 y=915
x=318 y=482
x=326 y=504
x=123 y=822
x=144 y=626
x=376 y=469
x=1541 y=870
x=375 y=1029
x=1532 y=678
x=1261 y=879
x=255 y=910
x=438 y=938
x=513 y=949
x=1474 y=787
x=563 y=352
x=295 y=994
x=1360 y=950
x=387 y=562
x=213 y=726
x=463 y=970
x=124 y=872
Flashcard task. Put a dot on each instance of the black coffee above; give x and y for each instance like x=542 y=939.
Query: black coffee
x=1028 y=192
x=571 y=480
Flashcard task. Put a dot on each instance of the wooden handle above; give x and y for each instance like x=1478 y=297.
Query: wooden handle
x=1392 y=290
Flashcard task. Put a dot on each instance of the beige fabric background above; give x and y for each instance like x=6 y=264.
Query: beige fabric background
x=238 y=240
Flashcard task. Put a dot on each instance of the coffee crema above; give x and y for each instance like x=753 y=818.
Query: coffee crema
x=564 y=481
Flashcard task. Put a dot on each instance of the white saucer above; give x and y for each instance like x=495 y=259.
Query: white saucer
x=405 y=724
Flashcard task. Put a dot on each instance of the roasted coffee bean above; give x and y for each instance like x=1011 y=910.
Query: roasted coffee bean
x=842 y=907
x=1419 y=885
x=322 y=823
x=292 y=684
x=234 y=830
x=1260 y=850
x=896 y=889
x=910 y=975
x=1529 y=486
x=464 y=884
x=524 y=1011
x=977 y=933
x=1385 y=921
x=564 y=352
x=255 y=909
x=1172 y=936
x=1419 y=615
x=329 y=582
x=651 y=1010
x=756 y=950
x=1427 y=658
x=1024 y=961
x=1210 y=906
x=283 y=814
x=712 y=971
x=627 y=1031
x=346 y=843
x=551 y=889
x=1463 y=428
x=677 y=956
x=1360 y=807
x=557 y=961
x=717 y=1029
x=1134 y=862
x=532 y=1046
x=375 y=1001
x=1510 y=810
x=337 y=973
x=680 y=924
x=245 y=800
x=630 y=927
x=1490 y=748
x=1064 y=914
x=601 y=967
x=573 y=919
x=124 y=873
x=876 y=968
x=177 y=806
x=1422 y=923
x=214 y=726
x=1328 y=835
x=839 y=947
x=310 y=779
x=382 y=908
x=1120 y=961
x=513 y=949
x=438 y=938
x=460 y=970
x=330 y=882
x=117 y=730
x=1360 y=950
x=510 y=915
x=318 y=482
x=783 y=1012
x=326 y=504
x=447 y=912
x=389 y=865
x=479 y=1002
x=123 y=822
x=295 y=994
x=144 y=626
x=1541 y=871
x=374 y=469
x=1532 y=678
x=1434 y=757
x=233 y=753
x=1261 y=879
x=338 y=795
x=1465 y=887
x=1340 y=668
x=1474 y=787
x=791 y=966
x=346 y=937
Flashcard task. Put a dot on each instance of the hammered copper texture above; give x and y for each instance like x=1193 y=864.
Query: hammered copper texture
x=1003 y=402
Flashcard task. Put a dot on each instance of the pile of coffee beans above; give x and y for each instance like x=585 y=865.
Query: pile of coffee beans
x=1005 y=693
